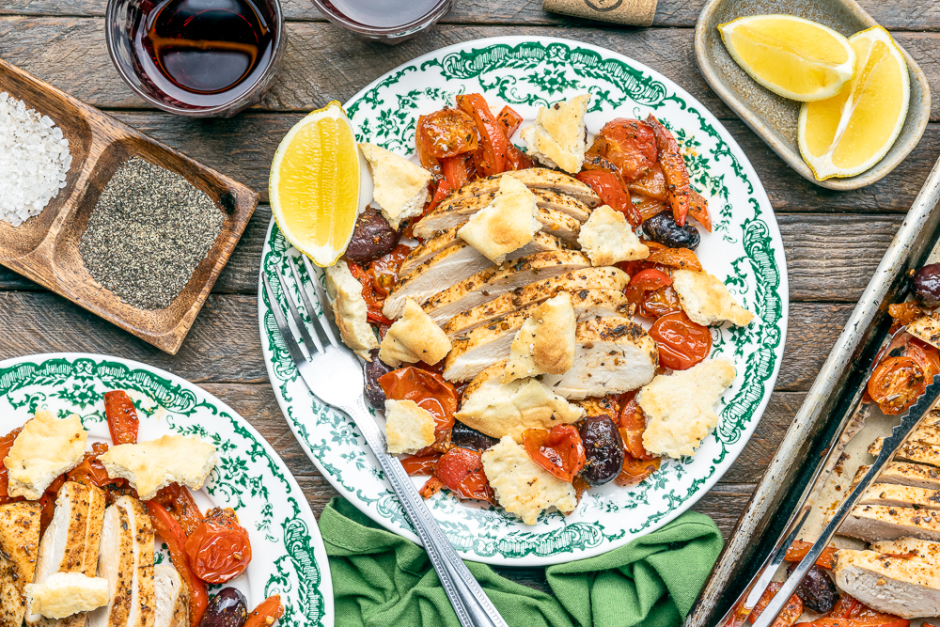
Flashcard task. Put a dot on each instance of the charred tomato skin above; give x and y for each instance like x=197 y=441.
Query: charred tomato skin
x=603 y=450
x=375 y=369
x=663 y=229
x=927 y=285
x=371 y=238
x=817 y=591
x=466 y=437
x=228 y=608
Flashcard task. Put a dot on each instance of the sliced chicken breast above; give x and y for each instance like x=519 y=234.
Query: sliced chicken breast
x=125 y=559
x=901 y=496
x=482 y=347
x=591 y=279
x=905 y=588
x=493 y=282
x=917 y=452
x=453 y=264
x=19 y=544
x=911 y=549
x=903 y=473
x=882 y=522
x=613 y=355
x=172 y=595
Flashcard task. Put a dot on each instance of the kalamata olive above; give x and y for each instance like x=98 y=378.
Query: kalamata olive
x=375 y=369
x=817 y=591
x=372 y=237
x=927 y=285
x=465 y=437
x=662 y=228
x=228 y=608
x=603 y=449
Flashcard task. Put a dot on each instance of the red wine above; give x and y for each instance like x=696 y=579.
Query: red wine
x=201 y=51
x=382 y=13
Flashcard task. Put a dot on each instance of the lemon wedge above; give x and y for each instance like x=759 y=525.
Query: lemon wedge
x=848 y=134
x=314 y=184
x=792 y=57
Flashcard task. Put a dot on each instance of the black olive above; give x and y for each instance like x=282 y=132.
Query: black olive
x=375 y=369
x=228 y=608
x=372 y=237
x=662 y=228
x=465 y=437
x=927 y=285
x=817 y=591
x=603 y=450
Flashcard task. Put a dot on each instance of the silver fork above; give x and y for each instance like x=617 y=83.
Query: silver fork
x=335 y=376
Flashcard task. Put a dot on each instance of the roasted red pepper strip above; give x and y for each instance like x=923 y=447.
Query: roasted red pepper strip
x=609 y=186
x=495 y=147
x=677 y=176
x=267 y=613
x=787 y=616
x=373 y=301
x=698 y=209
x=799 y=549
x=179 y=502
x=122 y=417
x=172 y=533
x=455 y=171
x=416 y=465
x=509 y=120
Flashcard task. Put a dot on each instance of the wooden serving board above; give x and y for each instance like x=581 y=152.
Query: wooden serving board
x=45 y=248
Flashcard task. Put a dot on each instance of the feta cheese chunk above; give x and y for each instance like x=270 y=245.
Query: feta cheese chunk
x=400 y=186
x=545 y=344
x=558 y=138
x=607 y=238
x=506 y=224
x=44 y=449
x=706 y=300
x=408 y=427
x=414 y=337
x=151 y=466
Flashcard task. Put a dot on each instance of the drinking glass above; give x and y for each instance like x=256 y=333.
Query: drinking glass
x=388 y=21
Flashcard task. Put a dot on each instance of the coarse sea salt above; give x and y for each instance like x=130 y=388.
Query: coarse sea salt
x=34 y=160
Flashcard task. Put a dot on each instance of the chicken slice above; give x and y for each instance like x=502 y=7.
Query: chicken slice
x=612 y=355
x=172 y=595
x=475 y=350
x=911 y=548
x=905 y=588
x=917 y=452
x=901 y=496
x=883 y=522
x=126 y=561
x=902 y=473
x=493 y=282
x=19 y=543
x=609 y=280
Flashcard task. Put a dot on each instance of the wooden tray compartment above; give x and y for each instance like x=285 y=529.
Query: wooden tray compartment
x=45 y=248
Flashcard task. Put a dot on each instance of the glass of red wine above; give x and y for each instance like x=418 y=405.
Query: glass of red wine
x=388 y=21
x=200 y=58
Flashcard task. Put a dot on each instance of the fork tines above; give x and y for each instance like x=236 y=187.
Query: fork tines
x=322 y=334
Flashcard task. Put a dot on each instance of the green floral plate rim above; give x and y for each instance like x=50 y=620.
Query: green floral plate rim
x=288 y=557
x=744 y=250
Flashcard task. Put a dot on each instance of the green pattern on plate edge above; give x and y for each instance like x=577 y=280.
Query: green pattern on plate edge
x=246 y=472
x=539 y=73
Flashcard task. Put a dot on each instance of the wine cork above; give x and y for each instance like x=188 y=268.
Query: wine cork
x=631 y=12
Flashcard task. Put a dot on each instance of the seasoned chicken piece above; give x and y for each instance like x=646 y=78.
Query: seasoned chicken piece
x=905 y=588
x=911 y=549
x=706 y=299
x=19 y=544
x=607 y=238
x=412 y=338
x=126 y=561
x=680 y=408
x=925 y=433
x=882 y=522
x=902 y=473
x=350 y=310
x=545 y=343
x=523 y=487
x=901 y=496
x=153 y=465
x=506 y=224
x=44 y=449
x=499 y=409
x=479 y=348
x=926 y=328
x=408 y=427
x=610 y=281
x=558 y=138
x=70 y=542
x=613 y=355
x=493 y=282
x=172 y=596
x=918 y=452
x=400 y=186
x=63 y=595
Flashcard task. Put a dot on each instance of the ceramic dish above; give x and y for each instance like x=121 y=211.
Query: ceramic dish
x=745 y=251
x=289 y=558
x=775 y=118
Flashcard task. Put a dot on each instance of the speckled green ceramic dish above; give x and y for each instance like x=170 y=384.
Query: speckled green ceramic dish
x=775 y=118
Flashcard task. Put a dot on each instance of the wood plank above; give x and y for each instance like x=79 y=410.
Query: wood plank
x=725 y=504
x=892 y=15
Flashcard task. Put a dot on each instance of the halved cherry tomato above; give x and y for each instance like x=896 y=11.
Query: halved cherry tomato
x=896 y=383
x=610 y=188
x=658 y=303
x=447 y=133
x=632 y=424
x=91 y=471
x=267 y=612
x=169 y=529
x=652 y=184
x=799 y=549
x=122 y=417
x=628 y=144
x=461 y=470
x=636 y=470
x=384 y=270
x=219 y=549
x=682 y=343
x=430 y=392
x=179 y=502
x=428 y=161
x=903 y=314
x=495 y=148
x=674 y=170
x=926 y=356
x=681 y=258
x=6 y=443
x=646 y=280
x=417 y=465
x=509 y=120
x=455 y=170
x=698 y=209
x=559 y=450
x=791 y=611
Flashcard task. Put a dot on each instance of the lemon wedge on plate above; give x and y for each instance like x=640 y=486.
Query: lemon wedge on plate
x=848 y=134
x=314 y=184
x=792 y=57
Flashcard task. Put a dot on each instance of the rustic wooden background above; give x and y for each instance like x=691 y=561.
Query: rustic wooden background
x=63 y=42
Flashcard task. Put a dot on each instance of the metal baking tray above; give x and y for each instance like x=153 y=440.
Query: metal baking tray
x=821 y=428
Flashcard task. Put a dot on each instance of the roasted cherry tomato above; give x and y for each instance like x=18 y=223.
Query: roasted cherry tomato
x=461 y=470
x=652 y=185
x=645 y=280
x=559 y=450
x=682 y=343
x=926 y=356
x=91 y=471
x=430 y=392
x=649 y=207
x=6 y=443
x=799 y=549
x=219 y=549
x=267 y=612
x=903 y=314
x=682 y=258
x=169 y=529
x=610 y=188
x=417 y=465
x=788 y=615
x=370 y=294
x=447 y=133
x=627 y=144
x=428 y=161
x=179 y=502
x=495 y=148
x=632 y=424
x=674 y=170
x=658 y=303
x=122 y=417
x=509 y=120
x=384 y=270
x=896 y=384
x=698 y=209
x=636 y=470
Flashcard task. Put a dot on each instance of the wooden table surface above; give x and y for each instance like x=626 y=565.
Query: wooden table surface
x=833 y=240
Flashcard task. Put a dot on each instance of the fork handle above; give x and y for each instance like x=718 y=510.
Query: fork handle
x=473 y=607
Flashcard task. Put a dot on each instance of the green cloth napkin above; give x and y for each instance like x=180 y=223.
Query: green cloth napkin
x=382 y=580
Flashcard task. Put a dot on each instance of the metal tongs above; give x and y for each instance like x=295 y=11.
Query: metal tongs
x=909 y=421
